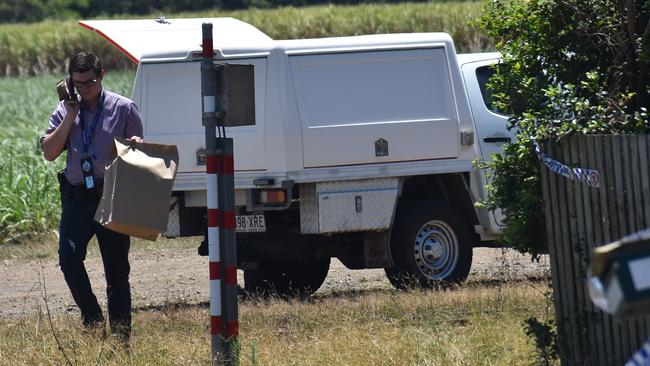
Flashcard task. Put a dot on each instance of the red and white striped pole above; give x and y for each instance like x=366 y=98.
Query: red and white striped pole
x=228 y=248
x=208 y=91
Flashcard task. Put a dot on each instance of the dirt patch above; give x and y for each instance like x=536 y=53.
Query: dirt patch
x=159 y=277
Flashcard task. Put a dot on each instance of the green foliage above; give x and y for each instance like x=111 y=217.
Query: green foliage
x=28 y=200
x=141 y=7
x=22 y=10
x=523 y=224
x=14 y=11
x=42 y=48
x=29 y=197
x=575 y=66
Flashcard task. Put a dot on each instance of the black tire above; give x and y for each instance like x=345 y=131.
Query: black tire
x=287 y=278
x=431 y=246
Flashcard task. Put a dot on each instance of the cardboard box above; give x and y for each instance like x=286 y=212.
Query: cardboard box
x=137 y=189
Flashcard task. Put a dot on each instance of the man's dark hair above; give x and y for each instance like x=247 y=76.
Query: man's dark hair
x=83 y=62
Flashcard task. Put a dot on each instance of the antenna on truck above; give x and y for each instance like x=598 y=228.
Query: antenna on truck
x=162 y=20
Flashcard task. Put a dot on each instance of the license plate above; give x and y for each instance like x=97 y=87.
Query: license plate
x=250 y=224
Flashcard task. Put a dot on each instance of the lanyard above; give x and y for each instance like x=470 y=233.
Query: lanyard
x=87 y=136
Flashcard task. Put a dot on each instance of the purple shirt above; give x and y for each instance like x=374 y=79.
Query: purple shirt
x=119 y=118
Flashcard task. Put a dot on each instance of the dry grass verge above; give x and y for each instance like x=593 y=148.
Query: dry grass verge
x=473 y=325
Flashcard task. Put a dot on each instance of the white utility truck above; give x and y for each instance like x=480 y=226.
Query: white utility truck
x=359 y=148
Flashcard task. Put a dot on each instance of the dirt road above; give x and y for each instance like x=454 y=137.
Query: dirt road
x=166 y=276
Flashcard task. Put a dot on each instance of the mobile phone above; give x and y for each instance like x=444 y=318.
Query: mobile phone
x=65 y=89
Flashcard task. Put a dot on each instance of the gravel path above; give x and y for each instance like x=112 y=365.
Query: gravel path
x=166 y=276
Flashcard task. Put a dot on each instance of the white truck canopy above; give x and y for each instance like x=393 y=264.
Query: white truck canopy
x=163 y=39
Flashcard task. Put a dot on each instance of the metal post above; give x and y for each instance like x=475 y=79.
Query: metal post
x=208 y=92
x=228 y=249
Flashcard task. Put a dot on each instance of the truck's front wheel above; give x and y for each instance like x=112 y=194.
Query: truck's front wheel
x=431 y=245
x=287 y=277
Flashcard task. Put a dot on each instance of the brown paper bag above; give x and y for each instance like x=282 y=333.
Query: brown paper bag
x=137 y=189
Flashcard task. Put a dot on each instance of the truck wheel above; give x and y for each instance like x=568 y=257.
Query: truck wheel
x=287 y=278
x=431 y=245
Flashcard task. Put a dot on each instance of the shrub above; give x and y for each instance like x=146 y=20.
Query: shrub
x=570 y=67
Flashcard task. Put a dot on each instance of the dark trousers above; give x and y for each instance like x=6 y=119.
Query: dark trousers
x=76 y=229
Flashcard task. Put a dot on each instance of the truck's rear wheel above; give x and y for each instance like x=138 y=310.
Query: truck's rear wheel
x=431 y=245
x=287 y=277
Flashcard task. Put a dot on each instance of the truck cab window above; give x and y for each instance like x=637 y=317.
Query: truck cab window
x=483 y=75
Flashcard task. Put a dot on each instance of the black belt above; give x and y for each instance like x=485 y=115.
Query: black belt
x=79 y=191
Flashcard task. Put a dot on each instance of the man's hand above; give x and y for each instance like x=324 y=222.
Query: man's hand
x=71 y=108
x=136 y=139
x=54 y=142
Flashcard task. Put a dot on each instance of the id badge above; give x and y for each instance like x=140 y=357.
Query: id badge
x=87 y=169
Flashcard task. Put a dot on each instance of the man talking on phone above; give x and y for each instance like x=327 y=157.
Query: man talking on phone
x=85 y=125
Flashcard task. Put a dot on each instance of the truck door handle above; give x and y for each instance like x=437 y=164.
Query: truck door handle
x=497 y=139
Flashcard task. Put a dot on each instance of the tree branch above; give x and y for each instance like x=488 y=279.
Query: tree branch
x=49 y=316
x=631 y=21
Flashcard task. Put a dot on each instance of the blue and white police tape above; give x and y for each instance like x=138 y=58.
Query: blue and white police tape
x=641 y=357
x=589 y=177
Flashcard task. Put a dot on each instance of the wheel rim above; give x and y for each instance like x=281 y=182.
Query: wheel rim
x=436 y=250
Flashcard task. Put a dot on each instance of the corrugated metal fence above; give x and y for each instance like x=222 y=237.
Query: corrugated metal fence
x=580 y=217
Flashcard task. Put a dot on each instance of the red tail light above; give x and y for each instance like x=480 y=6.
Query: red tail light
x=272 y=196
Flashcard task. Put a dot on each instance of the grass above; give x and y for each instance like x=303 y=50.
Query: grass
x=42 y=48
x=29 y=198
x=473 y=325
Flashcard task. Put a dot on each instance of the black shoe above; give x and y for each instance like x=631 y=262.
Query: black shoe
x=95 y=329
x=121 y=333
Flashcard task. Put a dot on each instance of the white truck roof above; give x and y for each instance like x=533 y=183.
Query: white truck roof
x=148 y=40
x=465 y=58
